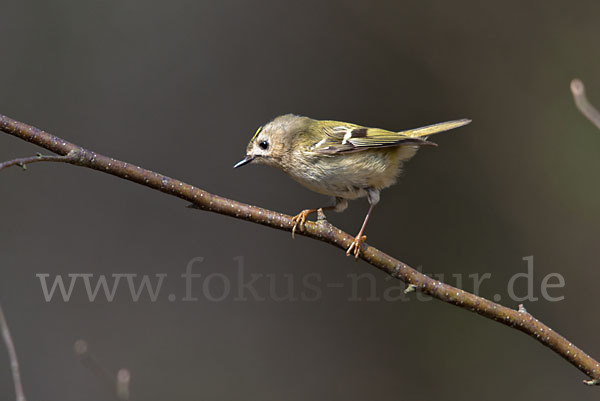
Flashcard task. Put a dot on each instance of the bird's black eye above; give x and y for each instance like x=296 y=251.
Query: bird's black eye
x=264 y=145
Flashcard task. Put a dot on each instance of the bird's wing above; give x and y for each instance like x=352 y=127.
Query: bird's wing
x=343 y=137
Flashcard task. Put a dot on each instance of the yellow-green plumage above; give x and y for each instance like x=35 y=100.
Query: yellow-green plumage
x=339 y=159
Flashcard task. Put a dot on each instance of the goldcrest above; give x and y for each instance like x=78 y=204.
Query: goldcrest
x=343 y=160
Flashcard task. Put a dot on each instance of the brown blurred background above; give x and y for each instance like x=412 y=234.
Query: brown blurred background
x=179 y=87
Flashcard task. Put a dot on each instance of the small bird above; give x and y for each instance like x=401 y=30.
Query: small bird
x=343 y=160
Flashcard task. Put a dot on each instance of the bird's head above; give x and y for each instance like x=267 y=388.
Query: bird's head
x=274 y=140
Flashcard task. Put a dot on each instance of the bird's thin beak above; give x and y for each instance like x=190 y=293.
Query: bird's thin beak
x=244 y=161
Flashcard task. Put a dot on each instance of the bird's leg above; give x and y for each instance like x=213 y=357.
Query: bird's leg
x=360 y=238
x=354 y=247
x=299 y=220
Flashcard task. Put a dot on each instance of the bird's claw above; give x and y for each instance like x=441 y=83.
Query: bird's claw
x=354 y=247
x=299 y=220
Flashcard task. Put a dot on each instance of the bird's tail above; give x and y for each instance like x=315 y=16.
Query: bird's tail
x=424 y=132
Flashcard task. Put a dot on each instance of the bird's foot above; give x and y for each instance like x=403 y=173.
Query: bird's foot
x=300 y=219
x=354 y=247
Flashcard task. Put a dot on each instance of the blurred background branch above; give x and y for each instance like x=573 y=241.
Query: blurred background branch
x=12 y=353
x=583 y=104
x=322 y=230
x=118 y=386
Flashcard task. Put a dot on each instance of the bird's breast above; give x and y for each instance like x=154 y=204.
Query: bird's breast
x=347 y=175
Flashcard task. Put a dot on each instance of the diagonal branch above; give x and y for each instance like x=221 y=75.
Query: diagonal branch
x=583 y=104
x=12 y=353
x=320 y=230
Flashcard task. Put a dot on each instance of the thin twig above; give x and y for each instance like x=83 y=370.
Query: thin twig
x=12 y=353
x=24 y=161
x=320 y=230
x=582 y=103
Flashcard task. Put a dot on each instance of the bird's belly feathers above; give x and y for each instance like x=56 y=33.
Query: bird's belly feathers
x=349 y=175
